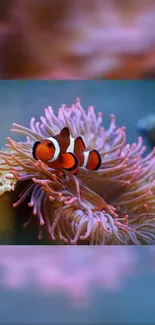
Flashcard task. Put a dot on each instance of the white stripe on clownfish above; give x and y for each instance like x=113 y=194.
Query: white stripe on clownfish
x=72 y=143
x=71 y=146
x=57 y=149
x=86 y=156
x=85 y=153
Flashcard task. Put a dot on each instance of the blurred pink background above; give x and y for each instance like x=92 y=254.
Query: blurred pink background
x=72 y=285
x=45 y=39
x=71 y=271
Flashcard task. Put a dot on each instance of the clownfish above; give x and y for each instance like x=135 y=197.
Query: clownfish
x=53 y=152
x=90 y=160
x=62 y=151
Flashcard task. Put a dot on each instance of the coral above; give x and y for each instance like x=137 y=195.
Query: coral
x=6 y=184
x=6 y=211
x=114 y=205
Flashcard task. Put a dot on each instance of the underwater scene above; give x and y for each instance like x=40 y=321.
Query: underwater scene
x=76 y=163
x=77 y=285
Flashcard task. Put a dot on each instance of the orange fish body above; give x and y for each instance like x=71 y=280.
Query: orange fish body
x=52 y=151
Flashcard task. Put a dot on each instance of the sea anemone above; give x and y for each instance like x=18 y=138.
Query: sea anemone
x=114 y=205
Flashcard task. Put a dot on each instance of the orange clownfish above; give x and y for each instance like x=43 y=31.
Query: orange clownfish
x=90 y=160
x=53 y=152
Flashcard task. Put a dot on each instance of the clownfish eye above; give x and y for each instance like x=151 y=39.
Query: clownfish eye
x=50 y=144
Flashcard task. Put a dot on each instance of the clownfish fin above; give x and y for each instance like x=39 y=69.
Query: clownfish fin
x=34 y=149
x=69 y=161
x=80 y=144
x=75 y=171
x=65 y=132
x=94 y=160
x=61 y=173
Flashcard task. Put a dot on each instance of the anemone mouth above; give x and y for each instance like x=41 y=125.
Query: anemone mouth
x=112 y=205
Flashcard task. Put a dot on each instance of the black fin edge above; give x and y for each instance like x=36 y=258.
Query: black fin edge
x=76 y=162
x=99 y=158
x=34 y=149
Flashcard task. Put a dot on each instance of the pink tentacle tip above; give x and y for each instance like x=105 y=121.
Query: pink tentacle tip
x=150 y=193
x=35 y=180
x=15 y=205
x=26 y=224
x=91 y=109
x=146 y=207
x=54 y=177
x=126 y=219
x=40 y=237
x=59 y=197
x=30 y=204
x=51 y=198
x=123 y=128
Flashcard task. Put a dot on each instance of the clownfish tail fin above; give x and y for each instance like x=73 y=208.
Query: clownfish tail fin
x=94 y=160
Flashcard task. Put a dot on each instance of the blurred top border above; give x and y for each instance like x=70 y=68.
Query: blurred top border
x=109 y=39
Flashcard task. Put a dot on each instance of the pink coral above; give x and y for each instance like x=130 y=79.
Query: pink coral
x=114 y=205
